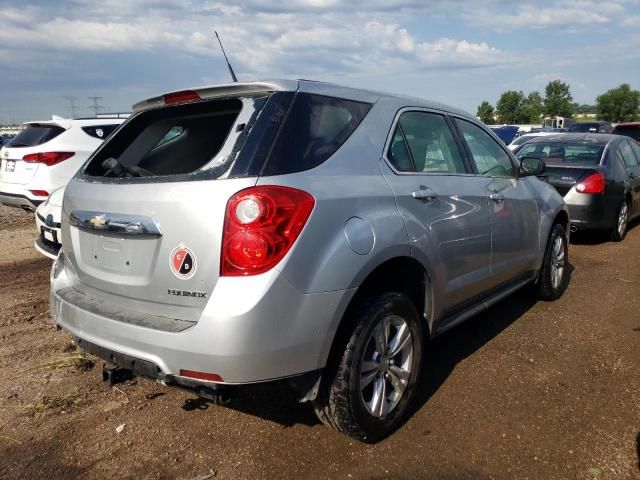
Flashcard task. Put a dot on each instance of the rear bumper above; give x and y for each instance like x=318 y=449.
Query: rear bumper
x=591 y=212
x=269 y=332
x=19 y=200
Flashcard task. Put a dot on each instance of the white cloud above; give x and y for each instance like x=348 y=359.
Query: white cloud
x=568 y=14
x=263 y=42
x=632 y=21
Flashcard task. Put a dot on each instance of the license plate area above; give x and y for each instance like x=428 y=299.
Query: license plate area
x=49 y=234
x=117 y=256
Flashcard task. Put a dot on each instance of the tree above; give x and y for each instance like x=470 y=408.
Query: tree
x=532 y=108
x=618 y=104
x=558 y=99
x=509 y=107
x=485 y=112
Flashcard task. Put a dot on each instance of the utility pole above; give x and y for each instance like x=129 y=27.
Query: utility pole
x=96 y=107
x=72 y=106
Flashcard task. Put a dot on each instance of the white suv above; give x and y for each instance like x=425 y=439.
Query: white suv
x=45 y=155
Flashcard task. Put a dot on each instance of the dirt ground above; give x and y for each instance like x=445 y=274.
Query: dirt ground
x=529 y=390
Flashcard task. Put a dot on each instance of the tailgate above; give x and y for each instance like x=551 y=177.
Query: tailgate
x=156 y=245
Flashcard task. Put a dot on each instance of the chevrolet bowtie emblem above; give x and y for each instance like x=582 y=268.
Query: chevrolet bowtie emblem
x=99 y=221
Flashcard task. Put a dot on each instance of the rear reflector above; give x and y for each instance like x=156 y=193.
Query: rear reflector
x=592 y=184
x=211 y=377
x=48 y=158
x=181 y=97
x=39 y=193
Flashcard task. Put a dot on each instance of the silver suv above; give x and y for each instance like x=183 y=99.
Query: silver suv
x=292 y=229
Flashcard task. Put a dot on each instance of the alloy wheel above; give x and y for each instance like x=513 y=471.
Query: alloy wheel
x=557 y=262
x=385 y=366
x=622 y=219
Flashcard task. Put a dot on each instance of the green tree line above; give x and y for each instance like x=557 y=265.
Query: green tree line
x=616 y=105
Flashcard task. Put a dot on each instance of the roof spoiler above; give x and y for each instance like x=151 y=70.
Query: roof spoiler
x=212 y=92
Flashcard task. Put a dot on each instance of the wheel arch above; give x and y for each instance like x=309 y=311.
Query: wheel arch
x=403 y=274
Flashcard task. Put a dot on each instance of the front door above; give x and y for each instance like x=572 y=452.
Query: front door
x=444 y=207
x=514 y=211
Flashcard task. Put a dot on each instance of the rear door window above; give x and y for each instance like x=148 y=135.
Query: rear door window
x=489 y=158
x=423 y=143
x=35 y=134
x=636 y=149
x=626 y=152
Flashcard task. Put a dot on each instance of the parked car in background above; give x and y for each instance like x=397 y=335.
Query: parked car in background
x=506 y=133
x=5 y=139
x=45 y=155
x=598 y=175
x=591 y=127
x=629 y=129
x=522 y=139
x=269 y=240
x=48 y=216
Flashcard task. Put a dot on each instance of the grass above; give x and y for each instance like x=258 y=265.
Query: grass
x=79 y=360
x=48 y=404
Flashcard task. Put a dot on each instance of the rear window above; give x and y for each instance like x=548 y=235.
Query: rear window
x=633 y=132
x=272 y=134
x=564 y=153
x=34 y=135
x=100 y=132
x=176 y=140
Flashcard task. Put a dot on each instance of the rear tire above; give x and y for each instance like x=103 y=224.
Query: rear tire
x=622 y=221
x=553 y=279
x=368 y=391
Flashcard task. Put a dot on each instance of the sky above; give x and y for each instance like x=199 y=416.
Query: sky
x=452 y=51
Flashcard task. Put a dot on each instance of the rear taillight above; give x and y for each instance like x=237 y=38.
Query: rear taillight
x=592 y=184
x=39 y=193
x=48 y=158
x=181 y=97
x=261 y=224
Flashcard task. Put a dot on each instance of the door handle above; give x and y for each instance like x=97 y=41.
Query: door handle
x=496 y=197
x=424 y=194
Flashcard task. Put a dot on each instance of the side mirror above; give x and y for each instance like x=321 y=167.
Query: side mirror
x=530 y=166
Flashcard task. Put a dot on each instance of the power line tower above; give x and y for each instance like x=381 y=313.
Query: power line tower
x=72 y=106
x=95 y=106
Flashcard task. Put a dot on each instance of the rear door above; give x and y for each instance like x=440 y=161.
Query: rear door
x=443 y=206
x=514 y=211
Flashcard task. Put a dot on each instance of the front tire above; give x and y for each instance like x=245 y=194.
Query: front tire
x=367 y=395
x=553 y=279
x=620 y=229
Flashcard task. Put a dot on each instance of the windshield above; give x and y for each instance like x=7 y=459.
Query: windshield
x=564 y=152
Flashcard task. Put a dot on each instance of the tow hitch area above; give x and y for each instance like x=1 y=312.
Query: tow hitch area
x=112 y=375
